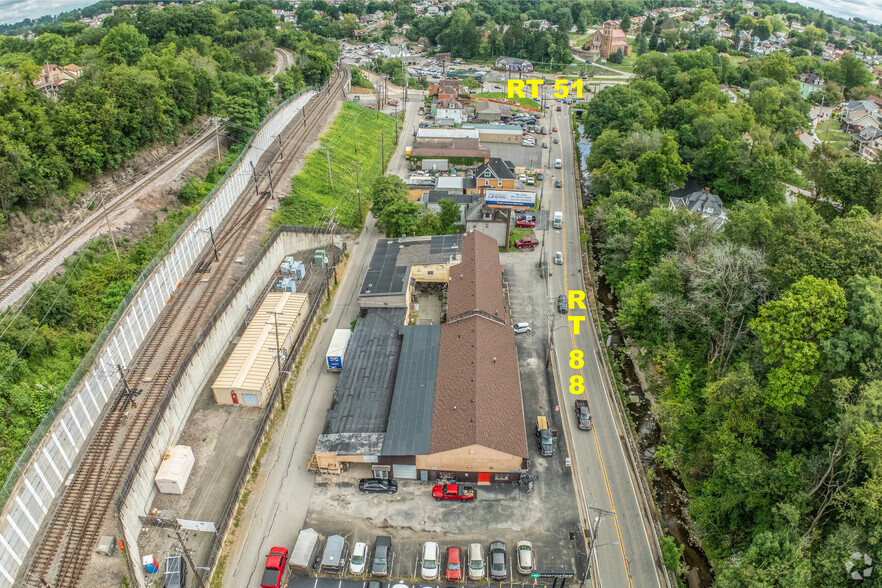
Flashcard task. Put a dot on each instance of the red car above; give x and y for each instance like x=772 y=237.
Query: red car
x=275 y=567
x=527 y=242
x=454 y=564
x=524 y=223
x=553 y=129
x=393 y=102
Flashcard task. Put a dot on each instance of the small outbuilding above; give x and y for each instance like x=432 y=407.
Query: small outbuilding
x=251 y=371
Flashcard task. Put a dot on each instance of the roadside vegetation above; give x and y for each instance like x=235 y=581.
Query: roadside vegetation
x=43 y=343
x=398 y=217
x=146 y=75
x=312 y=196
x=763 y=338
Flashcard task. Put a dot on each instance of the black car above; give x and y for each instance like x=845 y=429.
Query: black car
x=382 y=556
x=377 y=486
x=562 y=304
x=557 y=184
x=498 y=567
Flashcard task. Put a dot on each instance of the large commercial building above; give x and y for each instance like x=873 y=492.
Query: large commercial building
x=422 y=401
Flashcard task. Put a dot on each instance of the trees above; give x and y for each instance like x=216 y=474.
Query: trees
x=399 y=218
x=791 y=331
x=384 y=191
x=853 y=72
x=124 y=44
x=626 y=23
x=618 y=56
x=777 y=66
x=450 y=213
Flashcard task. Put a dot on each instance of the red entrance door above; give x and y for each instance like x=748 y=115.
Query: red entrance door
x=234 y=397
x=483 y=478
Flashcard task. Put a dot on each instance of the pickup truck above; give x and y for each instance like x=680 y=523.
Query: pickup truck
x=544 y=437
x=583 y=414
x=275 y=567
x=454 y=492
x=526 y=242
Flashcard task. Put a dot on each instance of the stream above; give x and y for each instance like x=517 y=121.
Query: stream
x=667 y=487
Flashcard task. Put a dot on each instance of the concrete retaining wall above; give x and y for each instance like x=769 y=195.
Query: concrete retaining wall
x=53 y=452
x=194 y=380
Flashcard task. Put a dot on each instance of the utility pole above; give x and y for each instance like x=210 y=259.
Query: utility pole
x=129 y=393
x=382 y=153
x=217 y=137
x=269 y=170
x=276 y=314
x=109 y=228
x=254 y=172
x=355 y=134
x=279 y=137
x=358 y=187
x=597 y=520
x=187 y=555
x=213 y=244
x=330 y=177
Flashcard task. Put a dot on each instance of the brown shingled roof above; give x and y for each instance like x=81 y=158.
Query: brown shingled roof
x=478 y=389
x=476 y=282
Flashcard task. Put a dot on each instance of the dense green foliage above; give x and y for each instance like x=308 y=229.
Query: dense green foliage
x=764 y=336
x=312 y=197
x=41 y=347
x=146 y=74
x=397 y=216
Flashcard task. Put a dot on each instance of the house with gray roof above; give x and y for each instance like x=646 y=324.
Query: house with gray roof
x=705 y=203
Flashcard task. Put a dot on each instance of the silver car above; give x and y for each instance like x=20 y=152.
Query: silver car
x=518 y=329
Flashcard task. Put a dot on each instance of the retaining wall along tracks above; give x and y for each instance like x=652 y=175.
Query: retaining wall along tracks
x=39 y=476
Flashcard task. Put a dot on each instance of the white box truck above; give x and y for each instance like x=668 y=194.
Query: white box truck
x=337 y=349
x=558 y=220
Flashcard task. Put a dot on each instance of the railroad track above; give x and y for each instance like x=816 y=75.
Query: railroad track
x=63 y=552
x=11 y=284
x=285 y=61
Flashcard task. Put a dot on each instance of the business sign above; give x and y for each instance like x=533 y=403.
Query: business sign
x=510 y=197
x=552 y=574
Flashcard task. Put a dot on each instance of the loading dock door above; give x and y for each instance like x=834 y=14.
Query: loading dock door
x=484 y=478
x=249 y=399
x=404 y=472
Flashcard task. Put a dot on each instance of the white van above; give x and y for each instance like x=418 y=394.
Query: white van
x=557 y=164
x=429 y=568
x=558 y=219
x=523 y=177
x=476 y=562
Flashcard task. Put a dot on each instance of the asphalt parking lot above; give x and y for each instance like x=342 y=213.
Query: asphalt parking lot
x=547 y=516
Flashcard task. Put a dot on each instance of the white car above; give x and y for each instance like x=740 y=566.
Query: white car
x=358 y=560
x=476 y=561
x=525 y=557
x=521 y=328
x=429 y=567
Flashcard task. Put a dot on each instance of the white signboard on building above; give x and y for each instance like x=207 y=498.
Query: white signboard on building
x=510 y=197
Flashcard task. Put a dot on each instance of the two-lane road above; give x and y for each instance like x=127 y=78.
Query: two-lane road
x=623 y=554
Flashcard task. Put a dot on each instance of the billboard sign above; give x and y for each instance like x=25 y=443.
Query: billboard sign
x=510 y=197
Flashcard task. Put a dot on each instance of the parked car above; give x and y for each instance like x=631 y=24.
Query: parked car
x=557 y=184
x=476 y=561
x=540 y=176
x=429 y=558
x=526 y=224
x=377 y=486
x=526 y=242
x=453 y=572
x=393 y=102
x=382 y=556
x=498 y=567
x=562 y=304
x=378 y=584
x=358 y=559
x=454 y=492
x=275 y=567
x=521 y=328
x=525 y=557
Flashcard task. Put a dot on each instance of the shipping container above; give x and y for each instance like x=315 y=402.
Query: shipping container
x=337 y=349
x=174 y=471
x=303 y=553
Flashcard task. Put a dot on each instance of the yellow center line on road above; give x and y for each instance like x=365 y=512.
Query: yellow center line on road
x=585 y=388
